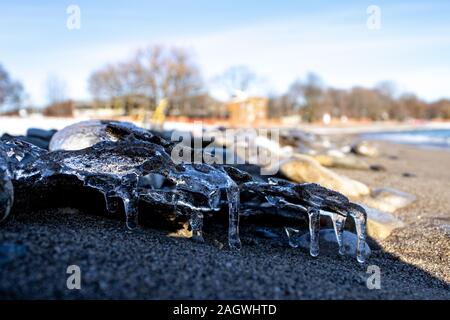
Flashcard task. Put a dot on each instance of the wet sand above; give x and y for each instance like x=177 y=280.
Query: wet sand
x=147 y=264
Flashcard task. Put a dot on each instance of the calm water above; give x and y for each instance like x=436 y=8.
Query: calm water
x=437 y=138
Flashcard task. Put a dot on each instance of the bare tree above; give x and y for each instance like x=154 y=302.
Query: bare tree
x=413 y=106
x=11 y=91
x=167 y=73
x=439 y=109
x=307 y=96
x=154 y=73
x=237 y=79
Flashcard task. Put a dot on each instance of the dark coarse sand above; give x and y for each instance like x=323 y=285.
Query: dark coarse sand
x=147 y=264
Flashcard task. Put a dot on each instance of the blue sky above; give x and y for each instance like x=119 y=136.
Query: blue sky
x=279 y=40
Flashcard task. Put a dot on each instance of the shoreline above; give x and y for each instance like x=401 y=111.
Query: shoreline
x=17 y=125
x=375 y=127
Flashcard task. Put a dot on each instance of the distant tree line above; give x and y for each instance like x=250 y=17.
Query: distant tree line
x=140 y=82
x=311 y=99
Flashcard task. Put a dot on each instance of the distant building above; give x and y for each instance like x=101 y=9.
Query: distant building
x=247 y=111
x=137 y=107
x=131 y=106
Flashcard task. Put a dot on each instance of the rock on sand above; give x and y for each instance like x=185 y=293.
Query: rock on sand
x=381 y=224
x=365 y=148
x=302 y=168
x=342 y=161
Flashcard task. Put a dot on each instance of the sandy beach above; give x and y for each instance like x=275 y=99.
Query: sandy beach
x=147 y=264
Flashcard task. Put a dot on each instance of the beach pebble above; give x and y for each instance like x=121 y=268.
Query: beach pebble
x=342 y=161
x=218 y=244
x=381 y=224
x=301 y=168
x=365 y=148
x=408 y=175
x=388 y=199
x=41 y=133
x=377 y=167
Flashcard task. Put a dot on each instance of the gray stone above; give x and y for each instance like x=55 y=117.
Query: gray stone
x=365 y=148
x=388 y=199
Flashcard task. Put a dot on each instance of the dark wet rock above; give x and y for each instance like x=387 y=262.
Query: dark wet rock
x=45 y=135
x=38 y=142
x=128 y=166
x=133 y=170
x=315 y=201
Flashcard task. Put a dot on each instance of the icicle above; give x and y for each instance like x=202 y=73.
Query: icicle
x=233 y=198
x=131 y=211
x=6 y=198
x=128 y=192
x=293 y=237
x=196 y=222
x=314 y=229
x=6 y=187
x=112 y=205
x=360 y=223
x=338 y=225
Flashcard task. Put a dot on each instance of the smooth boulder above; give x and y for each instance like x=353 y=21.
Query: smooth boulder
x=302 y=168
x=380 y=224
